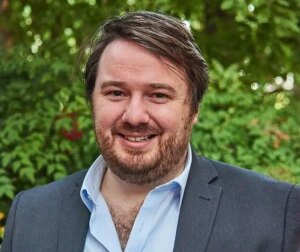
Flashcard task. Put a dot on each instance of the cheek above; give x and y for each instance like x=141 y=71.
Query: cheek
x=105 y=116
x=169 y=119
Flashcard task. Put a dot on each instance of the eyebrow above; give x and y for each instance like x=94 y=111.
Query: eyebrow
x=162 y=86
x=106 y=84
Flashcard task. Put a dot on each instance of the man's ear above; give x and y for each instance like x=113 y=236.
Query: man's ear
x=195 y=118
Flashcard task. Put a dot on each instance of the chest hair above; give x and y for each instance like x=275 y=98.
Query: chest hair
x=123 y=220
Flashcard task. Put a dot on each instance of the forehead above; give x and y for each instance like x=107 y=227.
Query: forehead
x=124 y=60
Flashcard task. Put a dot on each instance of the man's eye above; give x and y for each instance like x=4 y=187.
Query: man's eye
x=116 y=93
x=160 y=95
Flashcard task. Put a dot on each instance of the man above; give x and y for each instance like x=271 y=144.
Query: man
x=149 y=191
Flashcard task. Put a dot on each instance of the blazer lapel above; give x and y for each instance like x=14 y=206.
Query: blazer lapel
x=74 y=221
x=199 y=207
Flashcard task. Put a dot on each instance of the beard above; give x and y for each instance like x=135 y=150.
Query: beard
x=138 y=167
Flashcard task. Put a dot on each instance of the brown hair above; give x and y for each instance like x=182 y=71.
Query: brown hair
x=164 y=36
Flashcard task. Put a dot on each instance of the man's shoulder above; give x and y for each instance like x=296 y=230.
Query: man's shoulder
x=59 y=188
x=246 y=191
x=39 y=214
x=233 y=177
x=242 y=174
x=241 y=205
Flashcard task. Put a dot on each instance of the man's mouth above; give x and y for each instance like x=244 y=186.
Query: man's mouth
x=137 y=138
x=137 y=135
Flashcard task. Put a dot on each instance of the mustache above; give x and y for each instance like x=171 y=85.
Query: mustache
x=127 y=128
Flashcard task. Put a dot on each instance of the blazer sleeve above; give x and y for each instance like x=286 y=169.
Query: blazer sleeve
x=291 y=242
x=9 y=226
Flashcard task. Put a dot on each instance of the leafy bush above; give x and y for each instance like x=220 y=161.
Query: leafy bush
x=47 y=131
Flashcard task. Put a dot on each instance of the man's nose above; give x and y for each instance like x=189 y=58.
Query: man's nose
x=136 y=112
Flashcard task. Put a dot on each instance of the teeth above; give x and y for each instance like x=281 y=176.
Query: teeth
x=137 y=139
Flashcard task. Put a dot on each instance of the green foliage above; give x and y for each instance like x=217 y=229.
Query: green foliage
x=46 y=129
x=241 y=126
x=47 y=125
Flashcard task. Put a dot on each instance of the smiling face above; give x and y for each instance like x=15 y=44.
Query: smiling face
x=141 y=114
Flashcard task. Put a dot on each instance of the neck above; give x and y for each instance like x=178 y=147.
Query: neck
x=126 y=194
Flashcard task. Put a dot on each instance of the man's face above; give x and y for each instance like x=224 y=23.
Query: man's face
x=141 y=114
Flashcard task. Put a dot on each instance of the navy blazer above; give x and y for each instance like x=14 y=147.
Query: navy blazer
x=224 y=209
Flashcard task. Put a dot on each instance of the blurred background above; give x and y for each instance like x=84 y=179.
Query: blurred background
x=249 y=117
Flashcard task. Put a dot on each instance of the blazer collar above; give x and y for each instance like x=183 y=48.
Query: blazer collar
x=74 y=219
x=199 y=207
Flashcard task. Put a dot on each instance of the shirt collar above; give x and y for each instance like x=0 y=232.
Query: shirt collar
x=180 y=181
x=93 y=179
x=92 y=182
